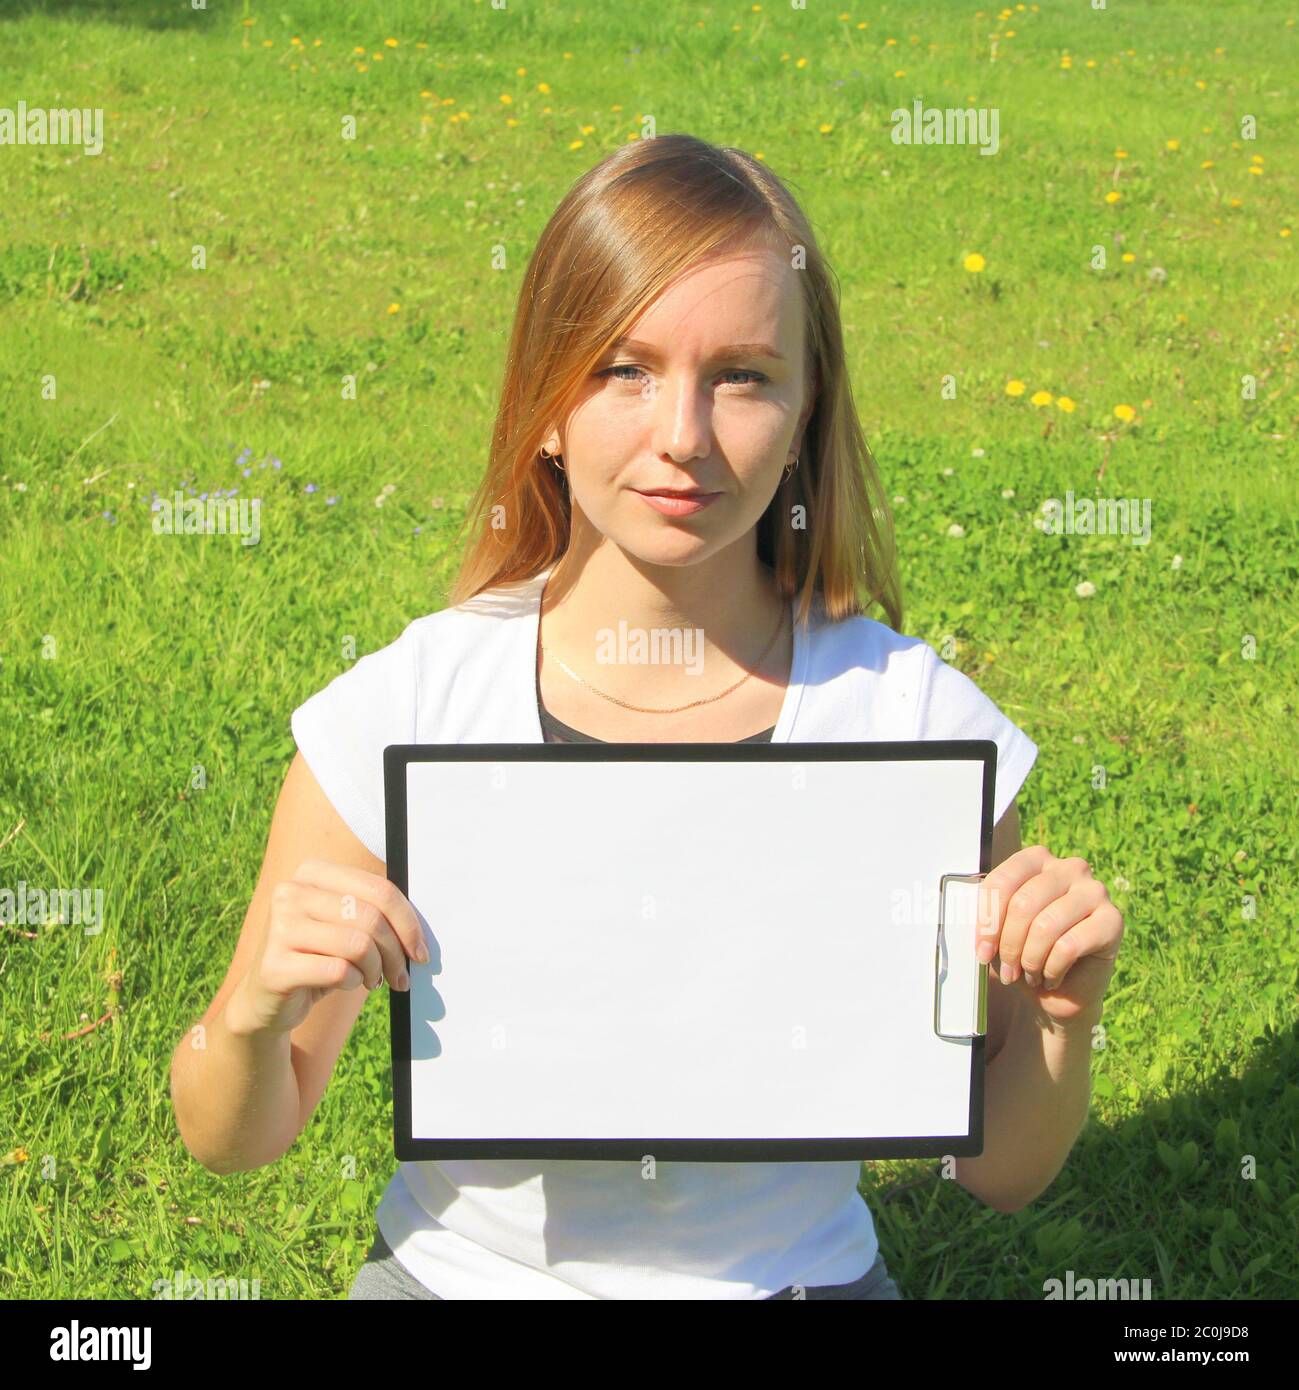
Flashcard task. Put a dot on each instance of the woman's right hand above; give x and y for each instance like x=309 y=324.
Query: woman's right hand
x=331 y=927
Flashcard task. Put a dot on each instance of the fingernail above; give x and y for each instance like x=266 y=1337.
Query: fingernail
x=1007 y=973
x=422 y=954
x=985 y=951
x=1031 y=978
x=403 y=980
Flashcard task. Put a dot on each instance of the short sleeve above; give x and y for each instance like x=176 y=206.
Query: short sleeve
x=342 y=730
x=951 y=706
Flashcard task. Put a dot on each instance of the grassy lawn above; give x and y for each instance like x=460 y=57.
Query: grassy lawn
x=1158 y=678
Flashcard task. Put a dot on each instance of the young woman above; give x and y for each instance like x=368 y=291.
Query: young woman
x=676 y=448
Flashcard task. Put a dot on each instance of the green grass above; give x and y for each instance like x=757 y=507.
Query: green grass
x=126 y=661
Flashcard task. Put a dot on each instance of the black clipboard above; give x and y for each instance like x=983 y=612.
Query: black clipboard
x=556 y=1019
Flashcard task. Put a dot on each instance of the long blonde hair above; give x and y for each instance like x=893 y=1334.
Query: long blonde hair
x=622 y=234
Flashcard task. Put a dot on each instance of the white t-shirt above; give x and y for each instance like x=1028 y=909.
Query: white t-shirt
x=553 y=1229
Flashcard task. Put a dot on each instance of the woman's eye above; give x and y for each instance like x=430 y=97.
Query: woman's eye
x=609 y=371
x=739 y=371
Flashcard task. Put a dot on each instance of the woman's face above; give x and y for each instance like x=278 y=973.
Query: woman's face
x=706 y=394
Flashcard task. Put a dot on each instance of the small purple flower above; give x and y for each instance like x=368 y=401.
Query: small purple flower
x=157 y=507
x=418 y=529
x=247 y=453
x=202 y=497
x=247 y=472
x=329 y=501
x=108 y=516
x=311 y=487
x=275 y=463
x=234 y=492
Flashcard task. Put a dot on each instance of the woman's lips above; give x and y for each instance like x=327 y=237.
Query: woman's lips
x=679 y=506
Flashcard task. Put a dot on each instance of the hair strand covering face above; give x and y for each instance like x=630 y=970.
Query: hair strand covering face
x=627 y=229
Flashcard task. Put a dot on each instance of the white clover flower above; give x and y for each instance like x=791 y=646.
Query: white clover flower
x=899 y=501
x=1121 y=885
x=956 y=530
x=947 y=472
x=1177 y=562
x=1008 y=492
x=976 y=453
x=1086 y=589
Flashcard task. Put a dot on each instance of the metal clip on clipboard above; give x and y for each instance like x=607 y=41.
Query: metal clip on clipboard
x=960 y=981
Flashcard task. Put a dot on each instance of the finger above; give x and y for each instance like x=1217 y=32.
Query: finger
x=1030 y=898
x=1083 y=897
x=343 y=909
x=371 y=888
x=324 y=968
x=1096 y=935
x=996 y=887
x=348 y=942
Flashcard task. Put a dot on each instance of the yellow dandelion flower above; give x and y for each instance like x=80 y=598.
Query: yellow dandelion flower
x=520 y=72
x=1128 y=256
x=421 y=44
x=901 y=72
x=1040 y=398
x=376 y=57
x=544 y=88
x=358 y=49
x=1124 y=413
x=576 y=144
x=248 y=22
x=268 y=43
x=1208 y=164
x=509 y=120
x=587 y=129
x=394 y=308
x=802 y=63
x=1254 y=169
x=889 y=43
x=1015 y=388
x=363 y=67
x=1172 y=144
x=1113 y=196
x=1120 y=154
x=1256 y=159
x=825 y=128
x=390 y=43
x=974 y=262
x=1067 y=405
x=315 y=43
x=507 y=98
x=1066 y=61
x=1235 y=203
x=1285 y=231
x=1202 y=85
x=1010 y=33
x=1091 y=62
x=426 y=94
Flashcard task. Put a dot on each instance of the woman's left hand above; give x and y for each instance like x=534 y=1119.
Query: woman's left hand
x=1055 y=929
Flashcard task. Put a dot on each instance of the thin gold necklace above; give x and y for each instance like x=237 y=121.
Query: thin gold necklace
x=641 y=709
